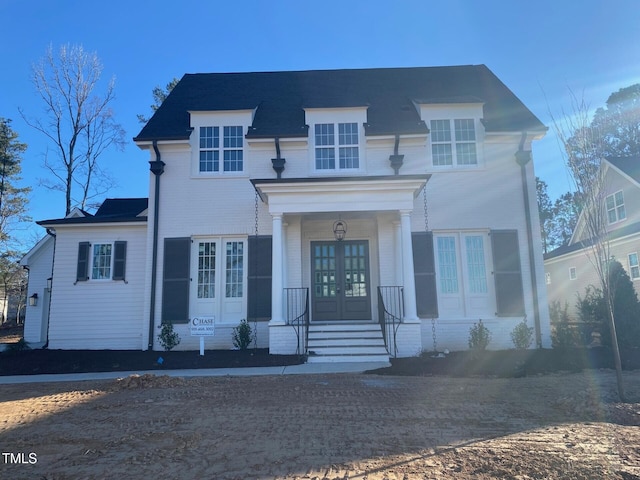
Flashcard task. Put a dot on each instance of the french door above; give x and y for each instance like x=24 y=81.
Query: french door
x=341 y=287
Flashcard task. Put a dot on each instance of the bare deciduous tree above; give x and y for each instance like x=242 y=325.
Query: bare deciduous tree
x=78 y=122
x=584 y=148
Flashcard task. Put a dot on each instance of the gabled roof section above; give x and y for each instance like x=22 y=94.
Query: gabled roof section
x=112 y=210
x=280 y=98
x=629 y=166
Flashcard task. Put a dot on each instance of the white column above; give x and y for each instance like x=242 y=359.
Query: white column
x=277 y=317
x=410 y=311
x=397 y=243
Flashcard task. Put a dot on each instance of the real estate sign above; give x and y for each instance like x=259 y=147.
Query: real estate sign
x=202 y=326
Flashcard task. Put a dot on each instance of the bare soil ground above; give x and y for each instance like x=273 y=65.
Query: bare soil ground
x=369 y=427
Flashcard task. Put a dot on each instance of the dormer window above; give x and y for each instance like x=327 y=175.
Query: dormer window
x=232 y=153
x=345 y=149
x=453 y=142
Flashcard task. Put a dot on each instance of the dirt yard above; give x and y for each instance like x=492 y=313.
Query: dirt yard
x=323 y=427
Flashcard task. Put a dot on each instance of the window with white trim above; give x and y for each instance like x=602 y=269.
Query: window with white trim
x=101 y=261
x=462 y=277
x=234 y=270
x=634 y=266
x=453 y=142
x=573 y=274
x=210 y=149
x=345 y=149
x=615 y=207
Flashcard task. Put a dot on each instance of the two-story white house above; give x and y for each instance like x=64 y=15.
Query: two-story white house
x=344 y=213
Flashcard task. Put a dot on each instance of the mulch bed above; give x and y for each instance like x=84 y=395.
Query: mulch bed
x=511 y=363
x=32 y=362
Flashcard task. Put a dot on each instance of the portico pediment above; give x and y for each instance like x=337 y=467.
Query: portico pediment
x=340 y=194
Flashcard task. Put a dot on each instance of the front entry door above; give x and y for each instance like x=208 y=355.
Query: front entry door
x=341 y=286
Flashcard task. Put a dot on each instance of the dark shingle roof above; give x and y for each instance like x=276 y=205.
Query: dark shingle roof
x=628 y=165
x=112 y=210
x=280 y=97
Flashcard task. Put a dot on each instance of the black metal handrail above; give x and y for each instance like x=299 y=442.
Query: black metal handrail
x=390 y=314
x=297 y=315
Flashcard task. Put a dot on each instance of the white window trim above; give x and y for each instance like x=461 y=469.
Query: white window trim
x=615 y=207
x=111 y=261
x=336 y=148
x=637 y=265
x=220 y=297
x=453 y=142
x=221 y=172
x=573 y=273
x=464 y=289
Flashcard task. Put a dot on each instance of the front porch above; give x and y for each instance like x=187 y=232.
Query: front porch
x=344 y=317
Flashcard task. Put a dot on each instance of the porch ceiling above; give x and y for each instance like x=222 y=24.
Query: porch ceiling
x=340 y=194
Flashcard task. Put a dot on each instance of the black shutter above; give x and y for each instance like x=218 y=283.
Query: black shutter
x=82 y=272
x=120 y=260
x=507 y=273
x=259 y=277
x=176 y=280
x=425 y=274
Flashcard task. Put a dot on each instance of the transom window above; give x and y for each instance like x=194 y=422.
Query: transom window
x=232 y=152
x=634 y=266
x=346 y=149
x=615 y=207
x=453 y=142
x=101 y=261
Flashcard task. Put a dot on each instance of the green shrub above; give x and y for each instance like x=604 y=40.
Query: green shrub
x=563 y=335
x=522 y=335
x=592 y=308
x=242 y=335
x=479 y=336
x=169 y=339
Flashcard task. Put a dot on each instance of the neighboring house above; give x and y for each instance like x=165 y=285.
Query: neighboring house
x=395 y=200
x=569 y=269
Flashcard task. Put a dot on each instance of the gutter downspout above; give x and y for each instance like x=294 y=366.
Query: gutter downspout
x=522 y=158
x=157 y=168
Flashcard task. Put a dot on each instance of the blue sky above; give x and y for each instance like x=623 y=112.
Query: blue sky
x=541 y=50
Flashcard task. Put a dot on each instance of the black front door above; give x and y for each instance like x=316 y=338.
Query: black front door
x=340 y=280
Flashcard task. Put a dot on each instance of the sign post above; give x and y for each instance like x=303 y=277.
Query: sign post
x=202 y=327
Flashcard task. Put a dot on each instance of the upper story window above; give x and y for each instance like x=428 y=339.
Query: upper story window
x=232 y=151
x=453 y=142
x=615 y=207
x=344 y=148
x=634 y=266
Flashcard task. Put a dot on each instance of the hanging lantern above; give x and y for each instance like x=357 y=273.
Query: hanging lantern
x=340 y=230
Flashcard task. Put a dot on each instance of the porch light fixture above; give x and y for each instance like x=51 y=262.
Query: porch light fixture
x=33 y=300
x=340 y=229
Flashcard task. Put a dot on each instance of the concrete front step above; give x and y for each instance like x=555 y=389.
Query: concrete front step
x=346 y=342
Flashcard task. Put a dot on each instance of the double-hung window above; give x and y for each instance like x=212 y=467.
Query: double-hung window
x=336 y=152
x=210 y=149
x=615 y=207
x=101 y=261
x=453 y=142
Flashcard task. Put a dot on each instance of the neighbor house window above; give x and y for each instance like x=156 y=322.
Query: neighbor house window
x=547 y=277
x=572 y=273
x=344 y=148
x=615 y=207
x=453 y=142
x=634 y=267
x=210 y=149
